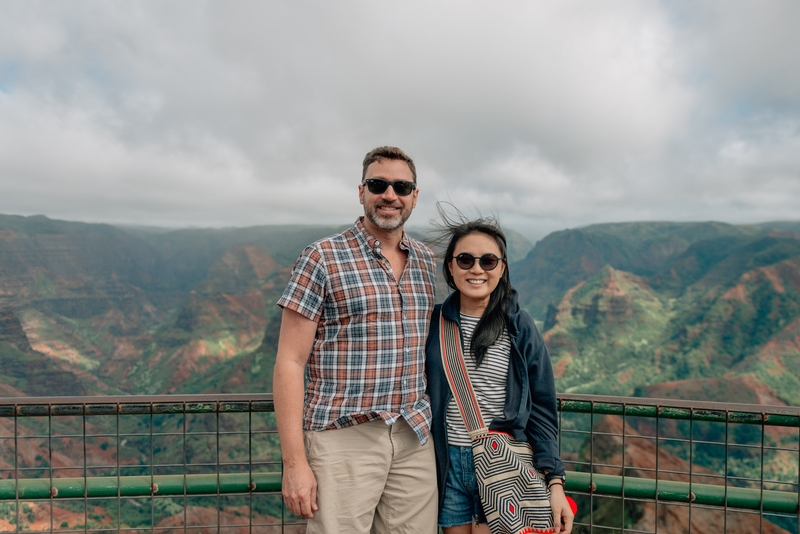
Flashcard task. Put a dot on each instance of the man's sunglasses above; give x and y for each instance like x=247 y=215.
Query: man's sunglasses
x=378 y=186
x=488 y=262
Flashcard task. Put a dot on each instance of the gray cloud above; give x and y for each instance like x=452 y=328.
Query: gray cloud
x=550 y=114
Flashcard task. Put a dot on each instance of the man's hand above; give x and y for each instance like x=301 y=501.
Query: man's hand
x=300 y=490
x=562 y=513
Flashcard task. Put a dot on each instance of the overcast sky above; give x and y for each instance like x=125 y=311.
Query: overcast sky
x=551 y=114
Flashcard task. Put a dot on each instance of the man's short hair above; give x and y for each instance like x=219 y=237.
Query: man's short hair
x=387 y=152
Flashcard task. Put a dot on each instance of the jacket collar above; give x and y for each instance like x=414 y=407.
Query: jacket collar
x=451 y=307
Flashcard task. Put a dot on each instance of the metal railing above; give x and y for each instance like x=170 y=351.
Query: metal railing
x=211 y=463
x=658 y=465
x=170 y=463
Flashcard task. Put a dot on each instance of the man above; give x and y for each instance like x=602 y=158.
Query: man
x=354 y=442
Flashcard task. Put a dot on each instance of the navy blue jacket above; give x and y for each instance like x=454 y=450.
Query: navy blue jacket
x=530 y=412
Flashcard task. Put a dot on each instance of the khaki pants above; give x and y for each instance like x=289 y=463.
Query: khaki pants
x=372 y=478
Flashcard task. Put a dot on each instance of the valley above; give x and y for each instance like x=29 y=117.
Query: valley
x=633 y=309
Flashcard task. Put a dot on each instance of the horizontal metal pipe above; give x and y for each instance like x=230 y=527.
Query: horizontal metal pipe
x=138 y=399
x=757 y=414
x=669 y=490
x=138 y=486
x=134 y=406
x=599 y=404
x=664 y=404
x=163 y=485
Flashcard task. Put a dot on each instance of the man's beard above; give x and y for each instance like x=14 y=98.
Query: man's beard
x=386 y=223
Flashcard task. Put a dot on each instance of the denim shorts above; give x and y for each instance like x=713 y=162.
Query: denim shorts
x=462 y=504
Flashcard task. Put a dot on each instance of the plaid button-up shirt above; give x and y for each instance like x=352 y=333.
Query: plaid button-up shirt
x=368 y=357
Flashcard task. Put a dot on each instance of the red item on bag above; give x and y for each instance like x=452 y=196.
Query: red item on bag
x=572 y=504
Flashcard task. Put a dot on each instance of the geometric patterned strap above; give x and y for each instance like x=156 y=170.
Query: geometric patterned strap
x=458 y=377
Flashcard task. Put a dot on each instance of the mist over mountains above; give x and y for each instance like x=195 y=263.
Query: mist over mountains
x=698 y=310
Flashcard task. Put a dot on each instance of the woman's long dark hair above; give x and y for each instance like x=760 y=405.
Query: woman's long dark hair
x=452 y=228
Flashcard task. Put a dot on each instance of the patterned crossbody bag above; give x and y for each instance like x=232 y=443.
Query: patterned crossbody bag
x=515 y=498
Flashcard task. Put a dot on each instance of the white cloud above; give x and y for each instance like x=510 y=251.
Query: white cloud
x=551 y=114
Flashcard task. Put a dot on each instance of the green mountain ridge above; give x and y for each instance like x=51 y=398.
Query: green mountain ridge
x=565 y=258
x=616 y=333
x=628 y=308
x=143 y=310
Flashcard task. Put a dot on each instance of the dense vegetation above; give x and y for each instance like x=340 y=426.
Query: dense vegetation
x=625 y=307
x=707 y=311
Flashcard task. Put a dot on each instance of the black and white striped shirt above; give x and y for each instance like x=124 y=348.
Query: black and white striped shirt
x=488 y=381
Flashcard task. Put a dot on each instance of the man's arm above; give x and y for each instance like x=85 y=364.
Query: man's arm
x=294 y=346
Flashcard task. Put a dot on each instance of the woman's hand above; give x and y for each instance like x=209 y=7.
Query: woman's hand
x=562 y=513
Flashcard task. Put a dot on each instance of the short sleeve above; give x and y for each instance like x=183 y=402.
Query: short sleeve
x=306 y=290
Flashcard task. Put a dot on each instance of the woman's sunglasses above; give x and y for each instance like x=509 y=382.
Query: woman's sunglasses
x=377 y=186
x=488 y=262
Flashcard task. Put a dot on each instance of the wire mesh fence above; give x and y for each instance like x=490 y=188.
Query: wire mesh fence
x=211 y=463
x=131 y=464
x=663 y=466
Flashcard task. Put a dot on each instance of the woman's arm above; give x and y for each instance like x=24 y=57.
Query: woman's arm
x=542 y=426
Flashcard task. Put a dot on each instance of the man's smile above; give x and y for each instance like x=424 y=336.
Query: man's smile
x=390 y=208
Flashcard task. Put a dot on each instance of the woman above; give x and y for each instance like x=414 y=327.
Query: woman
x=509 y=368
